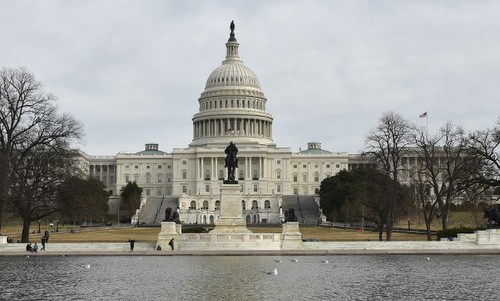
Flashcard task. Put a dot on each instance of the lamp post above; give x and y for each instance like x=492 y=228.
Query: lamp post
x=39 y=226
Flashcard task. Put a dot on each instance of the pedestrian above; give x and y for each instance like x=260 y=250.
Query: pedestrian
x=28 y=247
x=43 y=243
x=46 y=236
x=35 y=248
x=171 y=244
x=132 y=242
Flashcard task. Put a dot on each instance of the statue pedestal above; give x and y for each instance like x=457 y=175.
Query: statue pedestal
x=291 y=236
x=231 y=215
x=168 y=231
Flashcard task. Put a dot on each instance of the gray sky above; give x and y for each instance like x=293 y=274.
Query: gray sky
x=132 y=71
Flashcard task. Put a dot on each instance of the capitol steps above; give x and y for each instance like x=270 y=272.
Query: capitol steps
x=306 y=209
x=153 y=211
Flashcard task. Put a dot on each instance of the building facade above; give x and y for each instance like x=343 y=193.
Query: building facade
x=232 y=107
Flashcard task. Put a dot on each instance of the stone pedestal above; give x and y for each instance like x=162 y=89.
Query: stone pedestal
x=488 y=237
x=291 y=236
x=168 y=231
x=231 y=214
x=3 y=240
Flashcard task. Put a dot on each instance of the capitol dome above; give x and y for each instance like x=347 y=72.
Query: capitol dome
x=232 y=104
x=232 y=73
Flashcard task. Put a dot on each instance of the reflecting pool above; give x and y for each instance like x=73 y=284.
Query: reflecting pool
x=405 y=277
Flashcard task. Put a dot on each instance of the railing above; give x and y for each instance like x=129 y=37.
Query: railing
x=204 y=237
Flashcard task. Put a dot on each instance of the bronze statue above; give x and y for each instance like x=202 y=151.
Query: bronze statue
x=492 y=213
x=232 y=26
x=231 y=160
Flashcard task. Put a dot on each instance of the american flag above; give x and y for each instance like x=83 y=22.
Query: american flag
x=423 y=115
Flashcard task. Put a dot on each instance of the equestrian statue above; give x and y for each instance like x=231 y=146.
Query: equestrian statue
x=231 y=162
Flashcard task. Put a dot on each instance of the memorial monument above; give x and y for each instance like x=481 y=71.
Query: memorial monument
x=231 y=215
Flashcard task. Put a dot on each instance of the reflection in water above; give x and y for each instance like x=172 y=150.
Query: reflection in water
x=243 y=277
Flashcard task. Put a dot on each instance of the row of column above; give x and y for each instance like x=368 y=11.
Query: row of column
x=245 y=161
x=232 y=126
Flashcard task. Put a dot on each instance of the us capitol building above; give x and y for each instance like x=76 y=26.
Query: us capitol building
x=231 y=108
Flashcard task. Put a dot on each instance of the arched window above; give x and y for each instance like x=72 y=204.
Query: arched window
x=248 y=219
x=205 y=205
x=148 y=178
x=217 y=205
x=243 y=207
x=267 y=204
x=255 y=205
x=192 y=205
x=212 y=219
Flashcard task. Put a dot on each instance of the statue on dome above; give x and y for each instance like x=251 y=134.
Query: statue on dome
x=232 y=26
x=231 y=162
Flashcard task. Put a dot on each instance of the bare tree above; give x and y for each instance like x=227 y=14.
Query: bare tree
x=486 y=144
x=35 y=183
x=388 y=144
x=29 y=122
x=446 y=167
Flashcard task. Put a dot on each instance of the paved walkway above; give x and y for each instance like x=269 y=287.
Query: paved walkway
x=339 y=248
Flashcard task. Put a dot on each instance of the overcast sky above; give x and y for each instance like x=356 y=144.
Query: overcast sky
x=132 y=71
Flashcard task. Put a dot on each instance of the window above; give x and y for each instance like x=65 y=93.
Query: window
x=327 y=165
x=184 y=162
x=160 y=178
x=192 y=206
x=316 y=176
x=127 y=178
x=278 y=161
x=136 y=178
x=205 y=205
x=148 y=192
x=207 y=175
x=243 y=205
x=267 y=204
x=217 y=205
x=255 y=188
x=148 y=178
x=136 y=166
x=295 y=191
x=304 y=178
x=304 y=166
x=184 y=189
x=278 y=174
x=278 y=188
x=207 y=188
x=184 y=174
x=169 y=166
x=338 y=165
x=295 y=178
x=148 y=167
x=159 y=192
x=295 y=166
x=255 y=205
x=159 y=166
x=127 y=166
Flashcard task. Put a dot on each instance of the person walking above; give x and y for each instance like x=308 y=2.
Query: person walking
x=132 y=243
x=171 y=244
x=43 y=243
x=46 y=234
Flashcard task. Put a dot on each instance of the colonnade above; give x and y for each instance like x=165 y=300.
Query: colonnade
x=232 y=126
x=217 y=163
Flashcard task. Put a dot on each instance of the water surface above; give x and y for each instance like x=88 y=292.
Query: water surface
x=404 y=277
